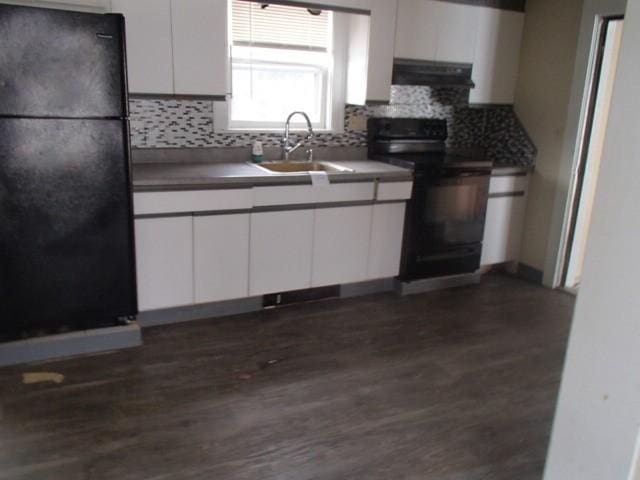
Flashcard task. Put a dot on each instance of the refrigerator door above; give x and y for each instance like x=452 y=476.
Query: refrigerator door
x=66 y=241
x=58 y=63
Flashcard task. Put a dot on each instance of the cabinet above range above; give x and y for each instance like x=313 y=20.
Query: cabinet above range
x=444 y=31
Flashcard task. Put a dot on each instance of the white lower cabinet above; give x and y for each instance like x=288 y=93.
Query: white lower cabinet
x=164 y=262
x=385 y=250
x=193 y=258
x=280 y=251
x=221 y=257
x=341 y=245
x=503 y=229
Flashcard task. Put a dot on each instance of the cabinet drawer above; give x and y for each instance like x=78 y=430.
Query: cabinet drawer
x=508 y=184
x=146 y=203
x=394 y=190
x=309 y=194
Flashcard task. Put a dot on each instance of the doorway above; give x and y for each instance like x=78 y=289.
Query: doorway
x=598 y=100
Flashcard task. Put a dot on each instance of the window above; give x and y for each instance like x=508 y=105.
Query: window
x=282 y=61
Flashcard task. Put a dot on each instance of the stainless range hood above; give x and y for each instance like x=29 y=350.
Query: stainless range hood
x=432 y=74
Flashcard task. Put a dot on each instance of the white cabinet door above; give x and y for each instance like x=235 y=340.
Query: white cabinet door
x=341 y=245
x=200 y=47
x=503 y=229
x=497 y=51
x=417 y=29
x=387 y=228
x=221 y=257
x=164 y=262
x=148 y=31
x=280 y=251
x=435 y=30
x=381 y=41
x=457 y=27
x=357 y=55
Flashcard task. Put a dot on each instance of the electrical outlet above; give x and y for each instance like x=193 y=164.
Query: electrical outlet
x=357 y=122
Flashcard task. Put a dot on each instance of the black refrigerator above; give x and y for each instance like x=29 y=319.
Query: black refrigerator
x=66 y=224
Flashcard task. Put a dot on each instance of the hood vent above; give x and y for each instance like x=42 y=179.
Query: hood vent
x=432 y=74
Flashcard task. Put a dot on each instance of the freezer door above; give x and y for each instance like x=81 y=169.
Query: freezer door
x=66 y=241
x=58 y=63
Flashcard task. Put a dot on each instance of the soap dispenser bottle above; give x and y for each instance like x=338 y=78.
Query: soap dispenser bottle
x=257 y=154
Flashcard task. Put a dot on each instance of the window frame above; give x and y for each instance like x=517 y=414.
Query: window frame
x=335 y=88
x=323 y=73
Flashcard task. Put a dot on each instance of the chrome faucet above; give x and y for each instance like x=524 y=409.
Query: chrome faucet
x=287 y=147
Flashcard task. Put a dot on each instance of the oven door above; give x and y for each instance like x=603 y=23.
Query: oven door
x=445 y=222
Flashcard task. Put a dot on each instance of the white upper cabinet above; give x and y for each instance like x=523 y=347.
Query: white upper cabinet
x=457 y=27
x=434 y=30
x=381 y=50
x=148 y=32
x=370 y=53
x=176 y=46
x=200 y=47
x=417 y=29
x=497 y=51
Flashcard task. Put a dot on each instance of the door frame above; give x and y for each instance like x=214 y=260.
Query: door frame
x=584 y=137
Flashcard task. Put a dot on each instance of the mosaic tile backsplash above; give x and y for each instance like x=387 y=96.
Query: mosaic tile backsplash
x=163 y=123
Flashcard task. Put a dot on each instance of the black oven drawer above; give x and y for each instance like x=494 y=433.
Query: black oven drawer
x=452 y=261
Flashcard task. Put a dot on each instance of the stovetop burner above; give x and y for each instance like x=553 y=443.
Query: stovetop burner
x=419 y=144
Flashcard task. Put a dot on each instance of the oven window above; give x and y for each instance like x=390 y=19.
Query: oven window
x=453 y=210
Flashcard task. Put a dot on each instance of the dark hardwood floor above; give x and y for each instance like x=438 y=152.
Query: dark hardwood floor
x=452 y=385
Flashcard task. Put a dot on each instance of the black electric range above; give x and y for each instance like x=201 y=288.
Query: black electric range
x=445 y=217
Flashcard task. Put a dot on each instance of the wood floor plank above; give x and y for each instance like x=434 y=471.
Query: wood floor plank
x=451 y=385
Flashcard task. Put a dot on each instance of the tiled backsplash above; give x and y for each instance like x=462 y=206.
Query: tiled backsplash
x=162 y=123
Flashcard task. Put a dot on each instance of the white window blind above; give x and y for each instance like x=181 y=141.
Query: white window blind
x=279 y=26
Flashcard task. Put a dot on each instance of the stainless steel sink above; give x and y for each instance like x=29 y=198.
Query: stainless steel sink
x=301 y=167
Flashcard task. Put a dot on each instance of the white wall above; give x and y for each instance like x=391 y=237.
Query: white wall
x=598 y=413
x=567 y=162
x=543 y=92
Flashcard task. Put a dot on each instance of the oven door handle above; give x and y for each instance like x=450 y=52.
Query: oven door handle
x=451 y=173
x=472 y=174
